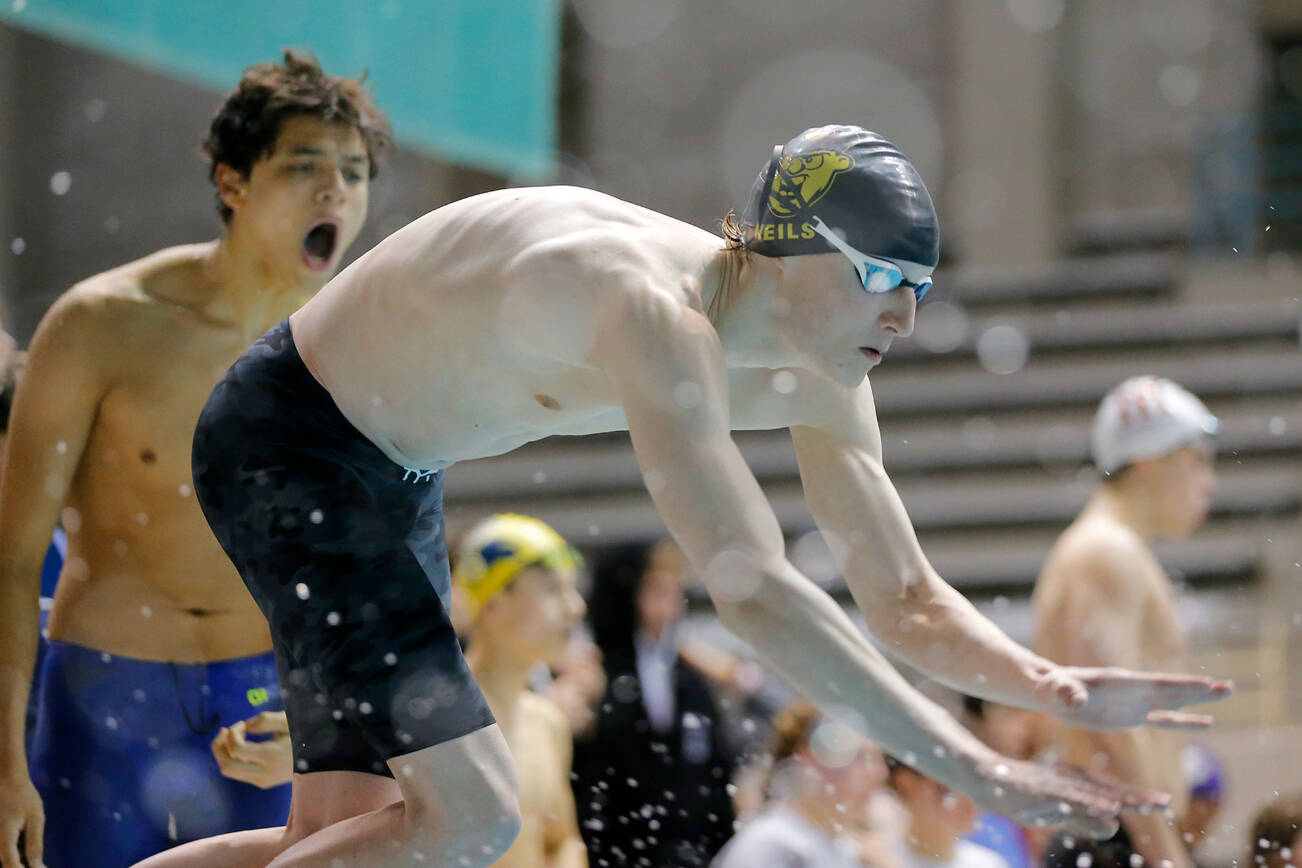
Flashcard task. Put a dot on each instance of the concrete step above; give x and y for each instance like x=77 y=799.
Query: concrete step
x=1049 y=385
x=609 y=519
x=947 y=332
x=1112 y=278
x=565 y=467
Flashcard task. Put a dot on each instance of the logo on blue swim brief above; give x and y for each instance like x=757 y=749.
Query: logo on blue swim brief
x=258 y=696
x=416 y=476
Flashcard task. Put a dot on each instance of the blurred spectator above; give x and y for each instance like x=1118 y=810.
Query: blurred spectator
x=1205 y=775
x=1277 y=833
x=651 y=773
x=821 y=784
x=938 y=818
x=518 y=579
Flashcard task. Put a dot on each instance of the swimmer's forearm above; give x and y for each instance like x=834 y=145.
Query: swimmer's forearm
x=805 y=636
x=937 y=631
x=908 y=607
x=19 y=628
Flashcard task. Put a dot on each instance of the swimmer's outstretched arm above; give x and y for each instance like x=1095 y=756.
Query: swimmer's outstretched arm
x=924 y=621
x=667 y=367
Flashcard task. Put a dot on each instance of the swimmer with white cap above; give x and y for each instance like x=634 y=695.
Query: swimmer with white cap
x=1103 y=598
x=515 y=315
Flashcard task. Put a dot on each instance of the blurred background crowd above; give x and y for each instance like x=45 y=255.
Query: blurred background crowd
x=1120 y=192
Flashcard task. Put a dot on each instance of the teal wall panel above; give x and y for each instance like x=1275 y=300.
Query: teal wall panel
x=473 y=81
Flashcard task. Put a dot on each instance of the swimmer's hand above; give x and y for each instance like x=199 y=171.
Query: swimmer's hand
x=1032 y=794
x=1112 y=698
x=21 y=813
x=264 y=764
x=579 y=685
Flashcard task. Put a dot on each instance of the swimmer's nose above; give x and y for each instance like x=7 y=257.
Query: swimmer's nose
x=578 y=607
x=899 y=314
x=332 y=190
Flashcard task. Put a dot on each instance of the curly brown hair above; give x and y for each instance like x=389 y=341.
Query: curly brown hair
x=246 y=126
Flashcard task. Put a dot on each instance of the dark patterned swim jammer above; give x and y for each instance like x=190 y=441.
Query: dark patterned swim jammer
x=345 y=553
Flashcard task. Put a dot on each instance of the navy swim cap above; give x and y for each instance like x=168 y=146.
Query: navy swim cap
x=857 y=182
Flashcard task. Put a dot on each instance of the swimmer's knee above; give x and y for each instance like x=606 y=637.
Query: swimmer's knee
x=483 y=827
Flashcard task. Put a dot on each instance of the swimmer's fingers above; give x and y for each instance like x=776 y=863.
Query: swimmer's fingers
x=1179 y=720
x=250 y=773
x=22 y=818
x=268 y=722
x=1178 y=691
x=34 y=840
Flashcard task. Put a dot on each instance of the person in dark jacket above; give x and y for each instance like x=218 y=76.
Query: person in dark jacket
x=651 y=773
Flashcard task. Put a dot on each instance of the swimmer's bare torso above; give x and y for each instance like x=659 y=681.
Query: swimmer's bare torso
x=144 y=576
x=471 y=331
x=515 y=315
x=1089 y=615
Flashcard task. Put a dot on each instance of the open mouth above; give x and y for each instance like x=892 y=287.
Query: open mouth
x=319 y=243
x=873 y=355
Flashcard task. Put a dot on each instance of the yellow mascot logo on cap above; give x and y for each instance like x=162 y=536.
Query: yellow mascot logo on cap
x=801 y=181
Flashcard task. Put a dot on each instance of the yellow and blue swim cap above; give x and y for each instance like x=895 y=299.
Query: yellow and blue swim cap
x=853 y=181
x=500 y=547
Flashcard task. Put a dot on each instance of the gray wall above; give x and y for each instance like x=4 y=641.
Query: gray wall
x=684 y=100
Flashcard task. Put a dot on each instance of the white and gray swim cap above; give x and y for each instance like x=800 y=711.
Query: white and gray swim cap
x=1147 y=417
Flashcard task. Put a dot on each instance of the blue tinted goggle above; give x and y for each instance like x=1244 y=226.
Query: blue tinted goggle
x=877 y=274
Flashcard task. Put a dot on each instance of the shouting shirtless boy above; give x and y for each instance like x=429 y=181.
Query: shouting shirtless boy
x=154 y=643
x=511 y=316
x=1104 y=600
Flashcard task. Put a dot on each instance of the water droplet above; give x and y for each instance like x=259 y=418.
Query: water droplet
x=332 y=618
x=302 y=591
x=60 y=183
x=18 y=245
x=61 y=447
x=142 y=518
x=146 y=612
x=784 y=382
x=95 y=110
x=316 y=516
x=539 y=477
x=71 y=519
x=183 y=490
x=1003 y=349
x=1277 y=426
x=391 y=659
x=688 y=395
x=941 y=327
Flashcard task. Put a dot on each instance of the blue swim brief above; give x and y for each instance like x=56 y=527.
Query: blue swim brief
x=122 y=757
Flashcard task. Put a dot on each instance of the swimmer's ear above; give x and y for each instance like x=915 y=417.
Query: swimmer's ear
x=232 y=187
